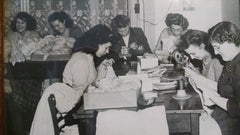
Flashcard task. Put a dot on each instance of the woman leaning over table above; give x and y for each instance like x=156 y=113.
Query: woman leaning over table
x=177 y=24
x=225 y=93
x=88 y=55
x=195 y=44
x=64 y=32
x=79 y=73
x=62 y=25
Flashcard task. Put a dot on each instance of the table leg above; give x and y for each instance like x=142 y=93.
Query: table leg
x=194 y=124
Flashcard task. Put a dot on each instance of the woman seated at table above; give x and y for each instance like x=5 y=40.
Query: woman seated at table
x=62 y=25
x=65 y=32
x=129 y=40
x=195 y=43
x=225 y=93
x=78 y=74
x=23 y=37
x=177 y=25
x=87 y=56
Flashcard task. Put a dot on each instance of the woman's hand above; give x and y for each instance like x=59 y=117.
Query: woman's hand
x=70 y=42
x=191 y=66
x=197 y=78
x=60 y=40
x=107 y=62
x=133 y=46
x=102 y=68
x=189 y=72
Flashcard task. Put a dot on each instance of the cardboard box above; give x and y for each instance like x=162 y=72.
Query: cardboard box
x=147 y=63
x=111 y=100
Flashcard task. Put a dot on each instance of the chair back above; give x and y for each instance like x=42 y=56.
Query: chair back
x=55 y=118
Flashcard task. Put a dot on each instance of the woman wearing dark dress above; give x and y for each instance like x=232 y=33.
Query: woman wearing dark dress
x=225 y=93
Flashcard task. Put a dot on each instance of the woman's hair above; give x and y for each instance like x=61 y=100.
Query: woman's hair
x=31 y=22
x=177 y=19
x=89 y=42
x=120 y=21
x=224 y=32
x=62 y=17
x=197 y=38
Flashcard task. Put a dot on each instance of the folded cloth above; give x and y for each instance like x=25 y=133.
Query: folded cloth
x=150 y=121
x=205 y=101
x=206 y=120
x=111 y=83
x=66 y=98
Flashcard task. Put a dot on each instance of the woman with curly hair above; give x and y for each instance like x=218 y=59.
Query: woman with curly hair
x=195 y=44
x=225 y=94
x=22 y=36
x=79 y=73
x=24 y=92
x=62 y=25
x=65 y=32
x=177 y=25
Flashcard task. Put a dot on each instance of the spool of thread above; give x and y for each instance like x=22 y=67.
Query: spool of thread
x=138 y=68
x=180 y=84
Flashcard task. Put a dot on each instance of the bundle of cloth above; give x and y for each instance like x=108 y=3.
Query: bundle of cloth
x=206 y=120
x=53 y=45
x=113 y=83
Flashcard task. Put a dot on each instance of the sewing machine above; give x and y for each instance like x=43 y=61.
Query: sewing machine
x=179 y=59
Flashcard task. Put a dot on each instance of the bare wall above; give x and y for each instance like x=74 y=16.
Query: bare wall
x=205 y=14
x=230 y=11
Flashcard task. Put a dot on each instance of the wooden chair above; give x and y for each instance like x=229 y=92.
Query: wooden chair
x=82 y=119
x=54 y=112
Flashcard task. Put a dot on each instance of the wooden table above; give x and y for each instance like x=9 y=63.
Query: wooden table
x=180 y=121
x=185 y=120
x=37 y=68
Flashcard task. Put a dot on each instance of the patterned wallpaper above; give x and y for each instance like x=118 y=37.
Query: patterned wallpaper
x=85 y=13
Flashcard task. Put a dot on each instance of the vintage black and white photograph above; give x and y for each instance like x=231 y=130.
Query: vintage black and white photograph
x=121 y=67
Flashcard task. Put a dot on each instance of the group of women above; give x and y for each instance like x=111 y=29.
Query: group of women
x=218 y=83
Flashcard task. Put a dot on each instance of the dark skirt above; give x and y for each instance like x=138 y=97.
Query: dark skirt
x=227 y=124
x=21 y=104
x=26 y=93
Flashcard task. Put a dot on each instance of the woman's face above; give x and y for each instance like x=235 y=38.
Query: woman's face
x=59 y=26
x=225 y=50
x=21 y=25
x=123 y=31
x=196 y=52
x=176 y=30
x=103 y=49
